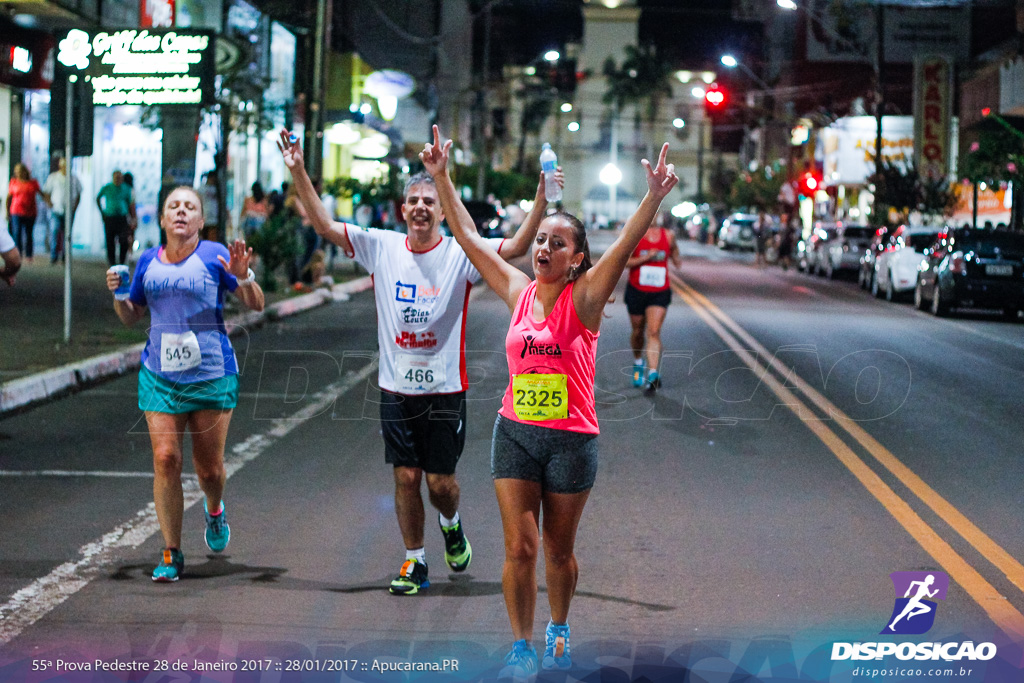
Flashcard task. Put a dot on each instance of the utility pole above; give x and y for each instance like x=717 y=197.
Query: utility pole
x=879 y=94
x=481 y=106
x=321 y=48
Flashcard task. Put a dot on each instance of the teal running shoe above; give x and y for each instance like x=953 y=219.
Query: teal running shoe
x=556 y=647
x=638 y=374
x=653 y=382
x=171 y=566
x=457 y=550
x=411 y=579
x=218 y=533
x=520 y=664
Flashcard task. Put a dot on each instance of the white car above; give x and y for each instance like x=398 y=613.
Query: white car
x=896 y=267
x=738 y=232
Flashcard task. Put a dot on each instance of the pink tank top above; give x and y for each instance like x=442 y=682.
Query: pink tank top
x=551 y=366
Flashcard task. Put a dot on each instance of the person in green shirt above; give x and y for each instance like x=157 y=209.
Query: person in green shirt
x=117 y=205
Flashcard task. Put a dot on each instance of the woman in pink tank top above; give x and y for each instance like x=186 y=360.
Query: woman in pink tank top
x=544 y=454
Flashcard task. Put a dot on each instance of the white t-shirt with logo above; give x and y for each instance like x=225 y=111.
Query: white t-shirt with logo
x=421 y=309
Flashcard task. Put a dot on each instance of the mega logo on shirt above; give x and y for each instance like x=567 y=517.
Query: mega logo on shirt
x=532 y=348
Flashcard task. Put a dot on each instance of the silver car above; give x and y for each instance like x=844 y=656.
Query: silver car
x=738 y=231
x=844 y=251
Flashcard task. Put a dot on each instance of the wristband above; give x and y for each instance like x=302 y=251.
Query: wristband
x=249 y=277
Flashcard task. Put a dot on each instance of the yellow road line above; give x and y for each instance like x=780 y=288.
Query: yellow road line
x=999 y=610
x=993 y=552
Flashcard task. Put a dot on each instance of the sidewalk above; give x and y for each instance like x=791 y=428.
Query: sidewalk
x=36 y=364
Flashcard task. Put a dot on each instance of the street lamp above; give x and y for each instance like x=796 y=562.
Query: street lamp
x=786 y=4
x=732 y=63
x=552 y=55
x=611 y=176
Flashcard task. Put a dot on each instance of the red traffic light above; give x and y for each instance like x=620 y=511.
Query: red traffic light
x=714 y=98
x=809 y=184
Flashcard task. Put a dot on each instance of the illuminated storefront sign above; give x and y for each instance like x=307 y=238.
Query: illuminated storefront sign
x=156 y=66
x=932 y=104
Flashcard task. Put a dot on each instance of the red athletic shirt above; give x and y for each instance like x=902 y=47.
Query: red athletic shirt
x=652 y=276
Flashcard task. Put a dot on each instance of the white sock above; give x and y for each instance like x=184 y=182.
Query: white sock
x=638 y=362
x=448 y=522
x=419 y=554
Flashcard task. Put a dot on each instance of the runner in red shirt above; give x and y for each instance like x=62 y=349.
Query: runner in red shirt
x=647 y=299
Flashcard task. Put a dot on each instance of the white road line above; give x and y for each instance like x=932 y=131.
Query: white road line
x=34 y=601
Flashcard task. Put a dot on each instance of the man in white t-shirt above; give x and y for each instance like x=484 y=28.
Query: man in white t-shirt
x=54 y=190
x=421 y=285
x=11 y=258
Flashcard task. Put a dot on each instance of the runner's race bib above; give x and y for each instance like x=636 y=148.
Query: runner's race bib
x=418 y=374
x=653 y=276
x=179 y=352
x=538 y=397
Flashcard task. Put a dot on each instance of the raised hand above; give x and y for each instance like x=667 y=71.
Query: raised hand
x=238 y=261
x=291 y=151
x=435 y=155
x=662 y=178
x=541 y=185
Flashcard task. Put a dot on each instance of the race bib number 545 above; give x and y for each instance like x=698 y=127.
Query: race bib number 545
x=538 y=397
x=179 y=352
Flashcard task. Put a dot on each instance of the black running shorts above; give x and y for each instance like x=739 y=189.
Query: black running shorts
x=427 y=432
x=637 y=301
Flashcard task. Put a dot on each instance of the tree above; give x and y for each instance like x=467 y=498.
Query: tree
x=997 y=156
x=756 y=190
x=903 y=188
x=642 y=81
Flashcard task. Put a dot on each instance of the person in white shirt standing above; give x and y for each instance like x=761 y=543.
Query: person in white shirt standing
x=54 y=190
x=421 y=284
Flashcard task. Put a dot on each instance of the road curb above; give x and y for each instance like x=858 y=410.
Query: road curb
x=31 y=390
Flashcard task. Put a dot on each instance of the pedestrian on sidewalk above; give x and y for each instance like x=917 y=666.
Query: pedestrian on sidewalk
x=544 y=450
x=11 y=258
x=21 y=209
x=118 y=209
x=188 y=381
x=54 y=190
x=422 y=283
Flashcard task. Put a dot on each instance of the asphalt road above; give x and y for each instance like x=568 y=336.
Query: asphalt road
x=808 y=442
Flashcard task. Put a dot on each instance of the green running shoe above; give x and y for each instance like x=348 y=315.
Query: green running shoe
x=556 y=647
x=218 y=533
x=520 y=663
x=457 y=550
x=171 y=567
x=411 y=579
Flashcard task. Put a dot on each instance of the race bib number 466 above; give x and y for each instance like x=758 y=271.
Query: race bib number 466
x=537 y=397
x=416 y=374
x=179 y=352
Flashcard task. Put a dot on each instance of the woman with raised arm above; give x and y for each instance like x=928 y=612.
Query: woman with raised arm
x=544 y=451
x=189 y=376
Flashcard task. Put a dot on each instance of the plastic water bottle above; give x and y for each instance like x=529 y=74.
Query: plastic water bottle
x=548 y=164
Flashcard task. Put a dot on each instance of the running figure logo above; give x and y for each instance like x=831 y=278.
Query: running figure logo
x=914 y=613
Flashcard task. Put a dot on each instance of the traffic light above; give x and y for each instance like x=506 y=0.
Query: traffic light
x=809 y=183
x=714 y=99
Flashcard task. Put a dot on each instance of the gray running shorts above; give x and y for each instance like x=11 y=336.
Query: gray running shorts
x=560 y=461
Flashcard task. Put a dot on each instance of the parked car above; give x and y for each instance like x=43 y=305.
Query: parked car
x=896 y=267
x=972 y=268
x=737 y=232
x=879 y=242
x=811 y=257
x=844 y=251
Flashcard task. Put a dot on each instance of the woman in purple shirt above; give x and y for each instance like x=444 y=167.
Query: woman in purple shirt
x=189 y=375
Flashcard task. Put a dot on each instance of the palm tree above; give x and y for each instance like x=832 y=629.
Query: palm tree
x=643 y=81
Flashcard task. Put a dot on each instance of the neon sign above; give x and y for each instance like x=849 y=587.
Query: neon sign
x=147 y=67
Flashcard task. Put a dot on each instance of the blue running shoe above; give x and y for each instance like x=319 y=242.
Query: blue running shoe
x=556 y=647
x=638 y=373
x=218 y=533
x=653 y=382
x=171 y=566
x=520 y=663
